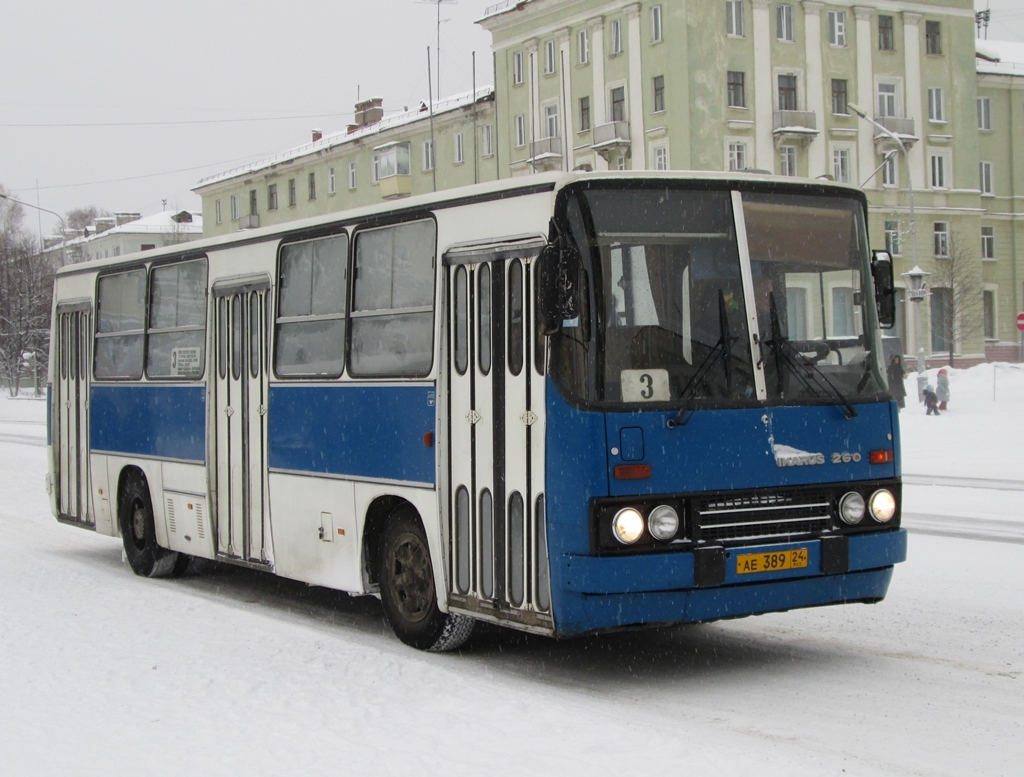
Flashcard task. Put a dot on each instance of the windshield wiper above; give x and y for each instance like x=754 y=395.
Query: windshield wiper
x=803 y=369
x=721 y=349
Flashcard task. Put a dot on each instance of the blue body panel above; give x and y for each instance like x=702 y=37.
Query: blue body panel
x=716 y=450
x=149 y=419
x=354 y=430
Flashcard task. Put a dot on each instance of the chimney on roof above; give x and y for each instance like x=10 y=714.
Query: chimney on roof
x=367 y=112
x=104 y=223
x=317 y=134
x=124 y=218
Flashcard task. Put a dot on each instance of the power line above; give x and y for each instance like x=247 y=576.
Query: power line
x=174 y=123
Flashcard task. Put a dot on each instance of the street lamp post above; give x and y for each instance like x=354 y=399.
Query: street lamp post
x=917 y=275
x=63 y=226
x=918 y=291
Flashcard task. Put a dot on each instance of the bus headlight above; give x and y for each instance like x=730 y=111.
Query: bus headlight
x=628 y=525
x=663 y=522
x=883 y=505
x=851 y=508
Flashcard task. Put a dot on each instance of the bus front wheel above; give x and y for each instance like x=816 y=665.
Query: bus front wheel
x=138 y=533
x=407 y=588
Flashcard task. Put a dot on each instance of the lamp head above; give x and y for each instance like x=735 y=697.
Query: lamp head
x=857 y=109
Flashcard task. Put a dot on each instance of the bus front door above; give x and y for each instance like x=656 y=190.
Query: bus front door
x=70 y=413
x=495 y=451
x=240 y=408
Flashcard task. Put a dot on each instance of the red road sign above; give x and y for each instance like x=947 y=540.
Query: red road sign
x=1020 y=321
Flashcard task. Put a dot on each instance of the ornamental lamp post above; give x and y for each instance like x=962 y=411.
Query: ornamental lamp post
x=918 y=291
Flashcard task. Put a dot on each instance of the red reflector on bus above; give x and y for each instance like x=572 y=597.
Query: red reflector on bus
x=428 y=439
x=632 y=471
x=880 y=457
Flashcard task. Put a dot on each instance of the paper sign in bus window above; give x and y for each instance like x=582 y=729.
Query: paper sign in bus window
x=644 y=386
x=186 y=362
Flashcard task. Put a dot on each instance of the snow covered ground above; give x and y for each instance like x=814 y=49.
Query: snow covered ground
x=102 y=672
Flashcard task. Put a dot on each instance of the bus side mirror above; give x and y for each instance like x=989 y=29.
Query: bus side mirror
x=559 y=271
x=885 y=294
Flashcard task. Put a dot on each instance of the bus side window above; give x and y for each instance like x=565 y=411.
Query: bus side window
x=177 y=321
x=310 y=337
x=120 y=325
x=393 y=301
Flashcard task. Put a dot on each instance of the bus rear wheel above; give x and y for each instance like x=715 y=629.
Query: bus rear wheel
x=407 y=588
x=138 y=533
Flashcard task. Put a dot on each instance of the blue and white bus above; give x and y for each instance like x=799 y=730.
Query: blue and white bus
x=564 y=404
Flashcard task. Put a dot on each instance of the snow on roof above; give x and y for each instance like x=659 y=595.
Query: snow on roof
x=1000 y=57
x=157 y=224
x=327 y=142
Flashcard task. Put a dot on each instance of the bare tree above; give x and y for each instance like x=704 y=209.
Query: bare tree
x=958 y=278
x=80 y=218
x=26 y=290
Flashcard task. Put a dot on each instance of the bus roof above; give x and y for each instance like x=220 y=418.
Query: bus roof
x=538 y=183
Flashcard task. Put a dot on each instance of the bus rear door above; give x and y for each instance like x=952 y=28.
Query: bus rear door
x=70 y=414
x=240 y=426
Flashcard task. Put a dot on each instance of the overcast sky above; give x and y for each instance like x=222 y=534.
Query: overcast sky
x=220 y=64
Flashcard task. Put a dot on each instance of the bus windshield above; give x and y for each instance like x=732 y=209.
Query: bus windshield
x=665 y=292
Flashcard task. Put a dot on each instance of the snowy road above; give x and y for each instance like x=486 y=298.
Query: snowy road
x=234 y=672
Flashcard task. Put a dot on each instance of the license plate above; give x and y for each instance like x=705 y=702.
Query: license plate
x=773 y=561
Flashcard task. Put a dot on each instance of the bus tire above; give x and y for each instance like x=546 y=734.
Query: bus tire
x=138 y=532
x=407 y=588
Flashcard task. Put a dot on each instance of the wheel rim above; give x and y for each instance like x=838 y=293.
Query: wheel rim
x=137 y=524
x=412 y=577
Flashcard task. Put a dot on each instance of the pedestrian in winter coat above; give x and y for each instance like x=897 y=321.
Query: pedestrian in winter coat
x=896 y=378
x=931 y=402
x=942 y=389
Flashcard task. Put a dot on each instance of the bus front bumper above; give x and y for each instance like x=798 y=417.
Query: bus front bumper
x=601 y=593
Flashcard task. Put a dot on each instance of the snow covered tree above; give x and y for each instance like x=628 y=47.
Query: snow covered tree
x=80 y=218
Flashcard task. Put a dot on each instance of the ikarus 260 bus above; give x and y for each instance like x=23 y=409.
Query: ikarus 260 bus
x=565 y=403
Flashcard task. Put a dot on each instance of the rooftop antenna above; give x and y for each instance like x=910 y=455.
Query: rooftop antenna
x=438 y=3
x=981 y=19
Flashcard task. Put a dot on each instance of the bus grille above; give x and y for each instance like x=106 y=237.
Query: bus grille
x=762 y=516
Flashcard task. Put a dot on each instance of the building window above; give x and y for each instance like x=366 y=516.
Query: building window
x=988 y=302
x=939 y=165
x=551 y=121
x=272 y=197
x=656 y=24
x=517 y=68
x=737 y=156
x=988 y=243
x=787 y=160
x=941 y=230
x=659 y=155
x=886 y=100
x=787 y=93
x=620 y=163
x=291 y=192
x=886 y=34
x=488 y=149
x=375 y=169
x=311 y=185
x=549 y=57
x=892 y=237
x=932 y=38
x=352 y=175
x=332 y=186
x=216 y=211
x=936 y=109
x=428 y=155
x=984 y=113
x=841 y=164
x=583 y=40
x=460 y=156
x=253 y=209
x=839 y=96
x=734 y=18
x=616 y=36
x=236 y=209
x=520 y=130
x=584 y=114
x=784 y=22
x=985 y=170
x=618 y=103
x=737 y=94
x=889 y=170
x=941 y=334
x=837 y=28
x=659 y=94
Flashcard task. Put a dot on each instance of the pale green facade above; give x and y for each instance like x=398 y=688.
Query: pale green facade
x=717 y=85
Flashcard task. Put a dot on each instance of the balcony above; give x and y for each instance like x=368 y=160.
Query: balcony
x=613 y=136
x=789 y=127
x=897 y=125
x=547 y=154
x=397 y=185
x=249 y=222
